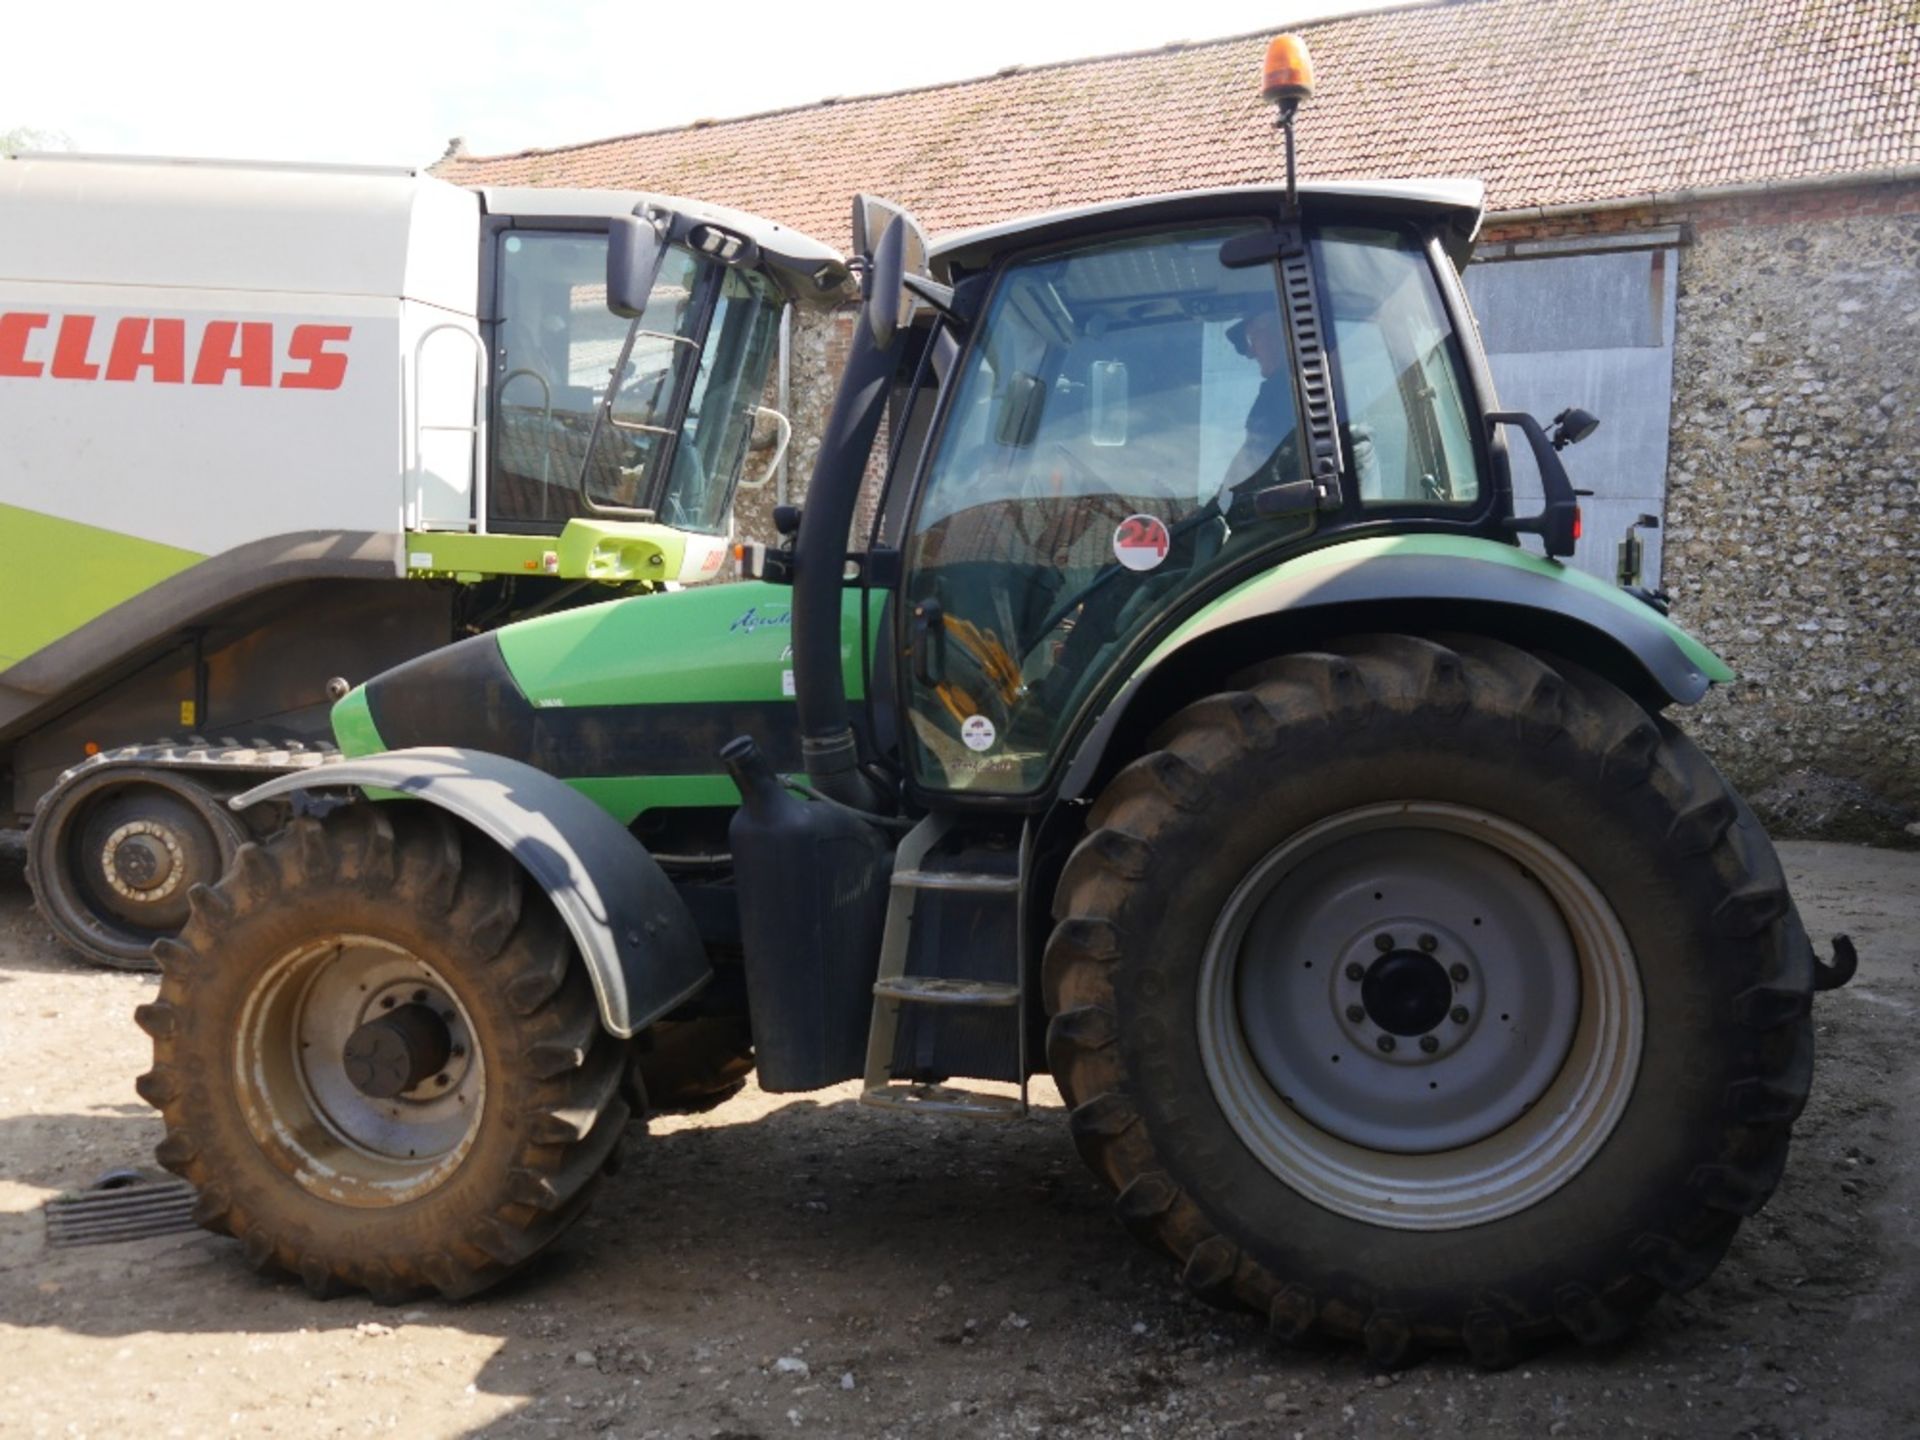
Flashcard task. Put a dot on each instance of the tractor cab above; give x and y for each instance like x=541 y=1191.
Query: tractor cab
x=1136 y=409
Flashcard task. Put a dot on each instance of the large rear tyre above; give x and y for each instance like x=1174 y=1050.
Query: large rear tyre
x=114 y=853
x=378 y=1059
x=1429 y=995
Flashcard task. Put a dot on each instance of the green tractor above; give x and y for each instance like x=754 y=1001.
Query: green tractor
x=1192 y=726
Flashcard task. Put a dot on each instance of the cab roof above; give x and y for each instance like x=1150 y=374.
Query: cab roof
x=810 y=272
x=1457 y=204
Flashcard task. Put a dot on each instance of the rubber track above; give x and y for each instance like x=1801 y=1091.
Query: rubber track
x=216 y=760
x=574 y=1118
x=1547 y=702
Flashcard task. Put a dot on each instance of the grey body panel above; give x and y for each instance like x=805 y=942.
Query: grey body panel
x=639 y=942
x=1430 y=581
x=54 y=672
x=257 y=670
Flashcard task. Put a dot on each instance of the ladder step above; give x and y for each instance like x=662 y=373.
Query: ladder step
x=930 y=990
x=977 y=882
x=942 y=1100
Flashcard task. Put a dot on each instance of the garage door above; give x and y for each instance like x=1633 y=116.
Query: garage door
x=1591 y=327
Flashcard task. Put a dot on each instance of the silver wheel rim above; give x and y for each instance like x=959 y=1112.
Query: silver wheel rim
x=1434 y=1116
x=336 y=1141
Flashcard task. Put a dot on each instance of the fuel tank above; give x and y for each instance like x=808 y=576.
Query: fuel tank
x=628 y=701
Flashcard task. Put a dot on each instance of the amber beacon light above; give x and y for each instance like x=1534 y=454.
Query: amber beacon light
x=1288 y=77
x=1288 y=80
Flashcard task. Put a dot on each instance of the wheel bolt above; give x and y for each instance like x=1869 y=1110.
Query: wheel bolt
x=1429 y=1044
x=419 y=997
x=456 y=1052
x=443 y=1079
x=1356 y=1013
x=386 y=1002
x=1459 y=974
x=1459 y=1015
x=1356 y=971
x=1385 y=1042
x=1429 y=943
x=1383 y=943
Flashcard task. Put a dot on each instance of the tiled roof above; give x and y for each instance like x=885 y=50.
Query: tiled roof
x=1549 y=101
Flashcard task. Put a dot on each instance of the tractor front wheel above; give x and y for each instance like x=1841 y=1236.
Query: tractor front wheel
x=1430 y=994
x=379 y=1061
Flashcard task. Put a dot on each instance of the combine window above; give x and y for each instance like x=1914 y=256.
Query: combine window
x=553 y=357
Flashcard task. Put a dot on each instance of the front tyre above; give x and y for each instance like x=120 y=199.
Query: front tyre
x=1430 y=994
x=378 y=1060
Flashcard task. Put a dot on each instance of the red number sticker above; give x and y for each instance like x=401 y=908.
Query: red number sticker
x=1140 y=542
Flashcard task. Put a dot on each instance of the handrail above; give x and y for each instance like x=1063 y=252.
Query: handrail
x=604 y=412
x=477 y=429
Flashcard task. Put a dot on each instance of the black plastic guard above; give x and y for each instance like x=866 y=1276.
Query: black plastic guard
x=640 y=944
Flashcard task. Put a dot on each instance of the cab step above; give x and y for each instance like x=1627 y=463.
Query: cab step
x=893 y=987
x=905 y=1095
x=933 y=990
x=967 y=882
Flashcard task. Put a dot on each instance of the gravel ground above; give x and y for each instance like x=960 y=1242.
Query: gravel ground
x=801 y=1266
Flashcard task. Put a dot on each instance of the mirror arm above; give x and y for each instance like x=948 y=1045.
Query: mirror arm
x=939 y=296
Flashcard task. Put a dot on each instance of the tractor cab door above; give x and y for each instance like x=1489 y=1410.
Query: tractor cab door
x=1121 y=433
x=1111 y=418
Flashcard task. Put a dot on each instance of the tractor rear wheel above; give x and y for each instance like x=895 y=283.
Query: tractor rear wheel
x=1429 y=993
x=379 y=1060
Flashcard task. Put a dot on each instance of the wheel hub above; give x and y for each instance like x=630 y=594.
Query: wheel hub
x=1419 y=1014
x=364 y=1064
x=143 y=861
x=1406 y=993
x=395 y=1052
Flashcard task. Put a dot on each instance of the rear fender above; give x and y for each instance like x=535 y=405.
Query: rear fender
x=1416 y=582
x=639 y=943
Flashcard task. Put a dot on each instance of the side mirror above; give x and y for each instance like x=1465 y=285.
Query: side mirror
x=886 y=285
x=894 y=247
x=635 y=248
x=1558 y=525
x=1573 y=425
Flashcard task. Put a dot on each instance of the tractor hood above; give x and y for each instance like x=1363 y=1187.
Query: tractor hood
x=629 y=701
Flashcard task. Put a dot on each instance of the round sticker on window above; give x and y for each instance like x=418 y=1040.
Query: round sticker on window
x=1140 y=542
x=976 y=732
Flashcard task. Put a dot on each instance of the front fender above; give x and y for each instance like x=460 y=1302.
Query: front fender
x=640 y=944
x=1429 y=576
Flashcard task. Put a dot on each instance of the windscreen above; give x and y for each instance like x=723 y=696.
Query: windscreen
x=726 y=396
x=556 y=347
